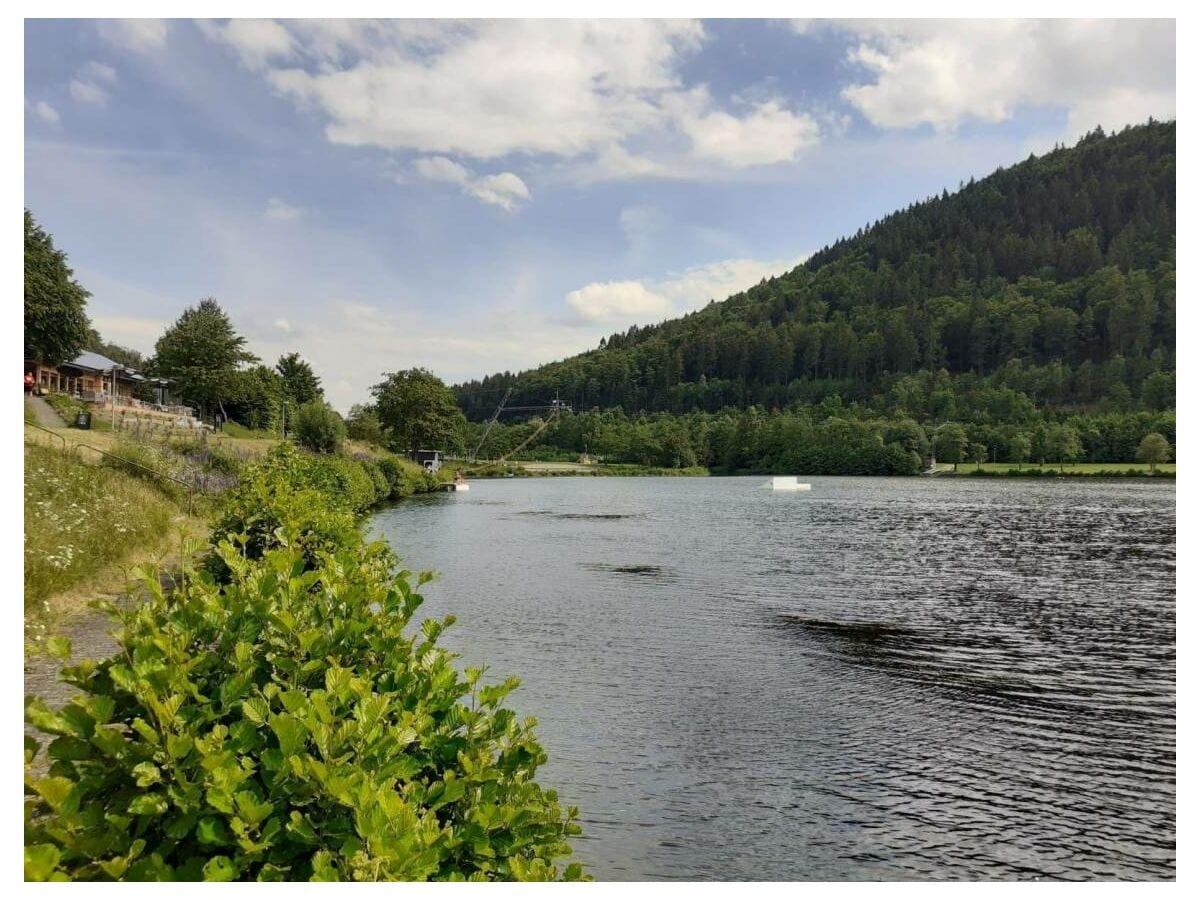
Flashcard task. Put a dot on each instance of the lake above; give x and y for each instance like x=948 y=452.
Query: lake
x=921 y=678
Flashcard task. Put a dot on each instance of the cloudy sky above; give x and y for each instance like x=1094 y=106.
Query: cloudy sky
x=474 y=197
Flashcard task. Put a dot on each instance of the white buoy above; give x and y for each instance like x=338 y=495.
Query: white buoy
x=787 y=483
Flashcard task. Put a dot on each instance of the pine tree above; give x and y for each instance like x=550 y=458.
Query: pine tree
x=301 y=384
x=200 y=355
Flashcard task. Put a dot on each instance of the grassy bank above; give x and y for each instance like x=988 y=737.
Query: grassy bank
x=1098 y=470
x=81 y=522
x=98 y=502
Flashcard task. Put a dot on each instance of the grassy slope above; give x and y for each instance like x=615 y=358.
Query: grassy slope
x=82 y=524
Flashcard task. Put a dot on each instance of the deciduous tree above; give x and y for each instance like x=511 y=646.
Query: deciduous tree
x=1154 y=449
x=417 y=411
x=56 y=322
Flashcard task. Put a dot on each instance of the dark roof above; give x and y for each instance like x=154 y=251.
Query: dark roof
x=97 y=362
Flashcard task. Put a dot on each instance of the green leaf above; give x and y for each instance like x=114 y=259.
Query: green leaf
x=147 y=774
x=110 y=740
x=148 y=805
x=250 y=809
x=39 y=715
x=59 y=647
x=54 y=789
x=219 y=868
x=115 y=867
x=290 y=732
x=178 y=745
x=40 y=861
x=212 y=830
x=322 y=866
x=256 y=710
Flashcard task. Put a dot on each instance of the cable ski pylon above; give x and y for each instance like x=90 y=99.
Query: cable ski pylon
x=555 y=407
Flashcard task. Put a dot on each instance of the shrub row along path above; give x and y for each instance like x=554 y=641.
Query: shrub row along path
x=44 y=412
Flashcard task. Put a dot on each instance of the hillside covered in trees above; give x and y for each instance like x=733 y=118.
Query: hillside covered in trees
x=1040 y=294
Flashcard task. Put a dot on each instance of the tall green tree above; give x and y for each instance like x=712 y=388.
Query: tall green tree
x=254 y=398
x=417 y=411
x=300 y=383
x=200 y=354
x=1019 y=448
x=950 y=444
x=1154 y=449
x=362 y=424
x=56 y=322
x=1063 y=444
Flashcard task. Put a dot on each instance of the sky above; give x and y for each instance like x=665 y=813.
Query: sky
x=475 y=197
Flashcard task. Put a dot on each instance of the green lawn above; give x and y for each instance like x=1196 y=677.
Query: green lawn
x=1068 y=468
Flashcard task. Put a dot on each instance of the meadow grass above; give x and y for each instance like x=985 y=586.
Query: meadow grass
x=80 y=519
x=1082 y=468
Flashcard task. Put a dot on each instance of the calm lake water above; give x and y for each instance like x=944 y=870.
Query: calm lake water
x=880 y=679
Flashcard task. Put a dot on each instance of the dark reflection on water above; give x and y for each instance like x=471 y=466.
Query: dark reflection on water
x=885 y=678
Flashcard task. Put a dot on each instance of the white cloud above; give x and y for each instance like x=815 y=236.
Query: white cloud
x=283 y=325
x=717 y=280
x=641 y=302
x=257 y=42
x=566 y=90
x=439 y=168
x=280 y=211
x=1104 y=72
x=770 y=133
x=504 y=189
x=88 y=92
x=46 y=113
x=87 y=85
x=618 y=302
x=143 y=35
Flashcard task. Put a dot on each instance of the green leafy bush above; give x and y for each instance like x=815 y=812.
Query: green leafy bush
x=393 y=473
x=283 y=726
x=285 y=488
x=318 y=427
x=406 y=478
x=383 y=488
x=347 y=480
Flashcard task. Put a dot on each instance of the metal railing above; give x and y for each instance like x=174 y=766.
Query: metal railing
x=53 y=434
x=190 y=489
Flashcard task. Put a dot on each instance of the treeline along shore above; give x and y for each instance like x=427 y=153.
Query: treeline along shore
x=1028 y=316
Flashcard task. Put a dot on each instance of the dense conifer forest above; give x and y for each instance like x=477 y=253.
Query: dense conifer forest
x=1028 y=315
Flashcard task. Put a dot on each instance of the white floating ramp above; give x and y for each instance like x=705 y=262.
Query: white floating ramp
x=787 y=483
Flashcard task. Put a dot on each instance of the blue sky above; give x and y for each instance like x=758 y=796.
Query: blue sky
x=493 y=195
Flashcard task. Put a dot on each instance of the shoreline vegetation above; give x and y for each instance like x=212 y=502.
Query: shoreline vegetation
x=99 y=502
x=523 y=469
x=269 y=715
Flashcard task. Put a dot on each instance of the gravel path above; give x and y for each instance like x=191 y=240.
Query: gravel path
x=90 y=633
x=44 y=412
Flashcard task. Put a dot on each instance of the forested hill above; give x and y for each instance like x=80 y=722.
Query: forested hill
x=1048 y=284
